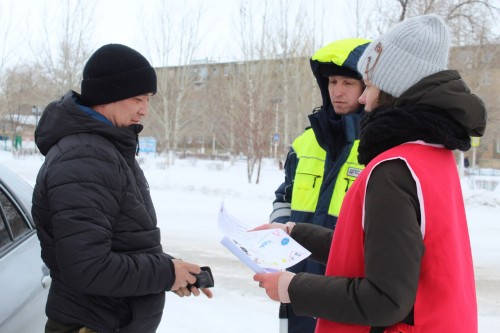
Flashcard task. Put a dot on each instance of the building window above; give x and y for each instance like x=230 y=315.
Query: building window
x=466 y=58
x=486 y=78
x=203 y=73
x=487 y=58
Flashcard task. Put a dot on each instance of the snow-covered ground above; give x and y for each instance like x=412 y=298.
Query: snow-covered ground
x=187 y=197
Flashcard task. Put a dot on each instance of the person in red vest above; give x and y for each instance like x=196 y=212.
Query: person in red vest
x=400 y=259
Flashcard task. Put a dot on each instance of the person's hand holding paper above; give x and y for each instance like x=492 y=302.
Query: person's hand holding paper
x=263 y=250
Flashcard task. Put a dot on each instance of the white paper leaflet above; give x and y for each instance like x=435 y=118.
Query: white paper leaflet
x=263 y=250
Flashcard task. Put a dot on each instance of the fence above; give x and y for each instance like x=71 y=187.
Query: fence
x=483 y=179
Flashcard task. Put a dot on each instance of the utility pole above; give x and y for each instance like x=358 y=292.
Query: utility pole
x=276 y=136
x=34 y=109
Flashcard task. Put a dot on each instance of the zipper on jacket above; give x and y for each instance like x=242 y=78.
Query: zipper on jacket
x=137 y=145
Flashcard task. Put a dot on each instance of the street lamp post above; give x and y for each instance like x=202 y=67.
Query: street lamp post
x=276 y=102
x=34 y=109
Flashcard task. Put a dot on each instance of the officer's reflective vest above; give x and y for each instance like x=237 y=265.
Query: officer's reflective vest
x=309 y=175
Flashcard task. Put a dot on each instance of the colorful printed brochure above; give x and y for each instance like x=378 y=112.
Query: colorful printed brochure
x=263 y=251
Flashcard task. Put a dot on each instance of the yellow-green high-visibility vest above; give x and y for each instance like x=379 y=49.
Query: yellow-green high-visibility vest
x=310 y=172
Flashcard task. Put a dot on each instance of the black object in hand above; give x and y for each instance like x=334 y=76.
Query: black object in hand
x=204 y=279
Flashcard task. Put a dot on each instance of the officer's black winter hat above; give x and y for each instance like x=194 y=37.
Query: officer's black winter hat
x=116 y=72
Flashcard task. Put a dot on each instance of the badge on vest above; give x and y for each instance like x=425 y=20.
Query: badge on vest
x=353 y=172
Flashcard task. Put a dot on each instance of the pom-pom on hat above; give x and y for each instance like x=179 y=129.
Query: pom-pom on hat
x=408 y=52
x=116 y=72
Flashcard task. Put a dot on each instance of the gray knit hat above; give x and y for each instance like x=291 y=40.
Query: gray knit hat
x=408 y=52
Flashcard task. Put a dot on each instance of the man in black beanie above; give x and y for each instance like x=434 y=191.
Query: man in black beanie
x=95 y=218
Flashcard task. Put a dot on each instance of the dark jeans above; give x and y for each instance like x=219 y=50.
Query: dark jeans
x=54 y=327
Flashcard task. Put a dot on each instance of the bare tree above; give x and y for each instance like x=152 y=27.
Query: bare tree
x=5 y=53
x=475 y=50
x=225 y=100
x=19 y=85
x=175 y=40
x=64 y=46
x=292 y=37
x=274 y=45
x=470 y=21
x=249 y=90
x=58 y=59
x=480 y=68
x=4 y=33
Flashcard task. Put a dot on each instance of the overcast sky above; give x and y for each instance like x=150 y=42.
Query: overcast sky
x=130 y=21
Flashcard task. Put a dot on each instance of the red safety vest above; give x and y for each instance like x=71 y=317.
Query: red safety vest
x=446 y=295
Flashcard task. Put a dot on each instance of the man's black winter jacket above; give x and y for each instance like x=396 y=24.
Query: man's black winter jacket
x=97 y=224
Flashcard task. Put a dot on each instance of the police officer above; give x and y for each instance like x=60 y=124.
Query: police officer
x=322 y=163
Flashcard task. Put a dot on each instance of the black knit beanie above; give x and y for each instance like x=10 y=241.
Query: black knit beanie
x=116 y=72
